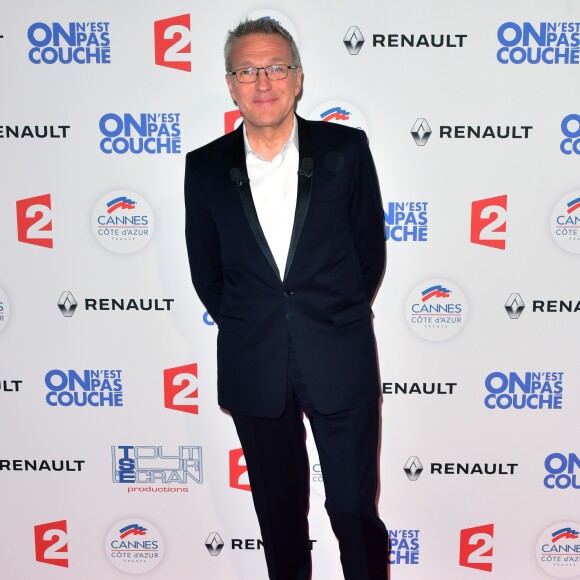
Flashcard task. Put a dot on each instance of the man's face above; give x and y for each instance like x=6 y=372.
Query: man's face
x=264 y=103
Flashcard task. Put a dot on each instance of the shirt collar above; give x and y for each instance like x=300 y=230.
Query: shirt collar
x=292 y=140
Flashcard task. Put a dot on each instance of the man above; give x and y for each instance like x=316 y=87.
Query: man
x=285 y=237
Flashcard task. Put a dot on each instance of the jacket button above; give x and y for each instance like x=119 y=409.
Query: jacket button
x=288 y=293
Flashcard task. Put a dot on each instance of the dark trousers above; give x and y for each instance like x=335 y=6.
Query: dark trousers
x=278 y=470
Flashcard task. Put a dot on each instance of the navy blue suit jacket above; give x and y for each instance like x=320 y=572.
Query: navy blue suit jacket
x=322 y=302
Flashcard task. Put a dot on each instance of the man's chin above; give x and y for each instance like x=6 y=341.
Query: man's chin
x=264 y=121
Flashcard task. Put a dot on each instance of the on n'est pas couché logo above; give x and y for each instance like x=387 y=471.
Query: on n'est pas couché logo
x=406 y=221
x=529 y=390
x=539 y=43
x=150 y=133
x=70 y=43
x=404 y=547
x=570 y=126
x=563 y=471
x=86 y=388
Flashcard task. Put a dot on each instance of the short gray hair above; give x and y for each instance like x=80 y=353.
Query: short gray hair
x=259 y=26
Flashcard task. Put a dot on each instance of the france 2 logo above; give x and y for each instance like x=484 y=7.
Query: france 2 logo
x=173 y=42
x=476 y=547
x=34 y=221
x=51 y=543
x=180 y=386
x=488 y=222
x=232 y=120
x=239 y=470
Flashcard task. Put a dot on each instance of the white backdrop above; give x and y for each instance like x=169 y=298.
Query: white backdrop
x=138 y=320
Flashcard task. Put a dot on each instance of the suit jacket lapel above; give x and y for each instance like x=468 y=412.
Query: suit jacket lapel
x=304 y=190
x=248 y=201
x=302 y=199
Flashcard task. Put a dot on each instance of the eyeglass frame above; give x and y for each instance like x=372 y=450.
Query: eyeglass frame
x=289 y=67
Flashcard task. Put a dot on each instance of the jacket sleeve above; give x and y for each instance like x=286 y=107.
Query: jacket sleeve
x=203 y=243
x=367 y=218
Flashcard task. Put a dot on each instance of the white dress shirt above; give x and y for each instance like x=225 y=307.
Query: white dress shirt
x=274 y=187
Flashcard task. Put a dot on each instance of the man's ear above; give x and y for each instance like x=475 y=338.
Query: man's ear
x=231 y=88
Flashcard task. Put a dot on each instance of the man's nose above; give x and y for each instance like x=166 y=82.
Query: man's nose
x=263 y=83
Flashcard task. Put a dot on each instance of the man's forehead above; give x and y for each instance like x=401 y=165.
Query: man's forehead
x=271 y=48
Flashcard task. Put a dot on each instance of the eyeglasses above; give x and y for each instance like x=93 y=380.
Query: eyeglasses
x=275 y=72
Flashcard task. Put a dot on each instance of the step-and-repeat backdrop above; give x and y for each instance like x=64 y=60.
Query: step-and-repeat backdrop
x=115 y=458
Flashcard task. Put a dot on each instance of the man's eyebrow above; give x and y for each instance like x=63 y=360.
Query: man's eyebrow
x=273 y=60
